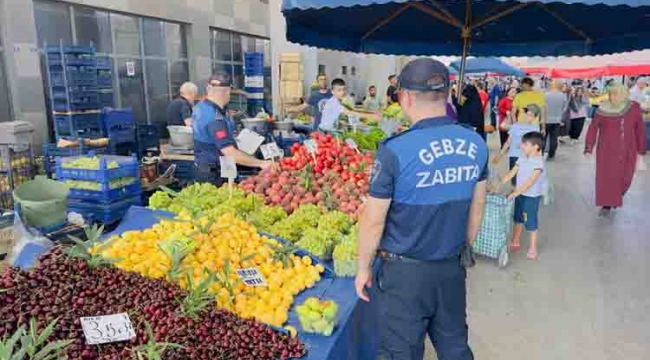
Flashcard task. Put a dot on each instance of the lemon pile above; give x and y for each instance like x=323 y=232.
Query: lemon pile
x=221 y=246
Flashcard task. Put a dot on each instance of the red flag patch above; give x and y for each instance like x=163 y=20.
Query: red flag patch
x=220 y=134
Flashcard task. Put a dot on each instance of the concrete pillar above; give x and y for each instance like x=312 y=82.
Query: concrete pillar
x=23 y=65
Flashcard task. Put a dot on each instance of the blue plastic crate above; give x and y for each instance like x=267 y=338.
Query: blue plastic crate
x=148 y=137
x=70 y=49
x=59 y=92
x=74 y=125
x=105 y=99
x=103 y=63
x=104 y=213
x=105 y=81
x=128 y=166
x=73 y=59
x=112 y=118
x=106 y=195
x=68 y=106
x=52 y=151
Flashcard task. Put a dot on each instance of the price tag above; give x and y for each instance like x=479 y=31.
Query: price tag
x=107 y=328
x=251 y=277
x=228 y=167
x=351 y=143
x=311 y=145
x=271 y=150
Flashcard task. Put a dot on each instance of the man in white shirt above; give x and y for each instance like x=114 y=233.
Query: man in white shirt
x=334 y=108
x=639 y=91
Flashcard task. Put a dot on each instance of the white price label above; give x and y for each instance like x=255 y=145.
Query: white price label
x=228 y=167
x=130 y=68
x=351 y=143
x=354 y=120
x=271 y=150
x=311 y=145
x=251 y=277
x=107 y=328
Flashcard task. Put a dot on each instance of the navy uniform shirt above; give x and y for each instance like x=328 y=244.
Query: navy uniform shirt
x=178 y=110
x=213 y=131
x=429 y=172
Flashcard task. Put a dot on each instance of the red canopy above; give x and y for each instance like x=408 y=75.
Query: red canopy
x=591 y=72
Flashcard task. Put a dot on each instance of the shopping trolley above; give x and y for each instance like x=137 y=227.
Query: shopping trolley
x=492 y=240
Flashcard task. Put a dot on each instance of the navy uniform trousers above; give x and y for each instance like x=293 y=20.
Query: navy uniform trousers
x=416 y=298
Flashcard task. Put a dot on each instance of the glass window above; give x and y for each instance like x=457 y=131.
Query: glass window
x=344 y=70
x=93 y=29
x=5 y=110
x=178 y=74
x=153 y=32
x=176 y=42
x=52 y=23
x=238 y=79
x=221 y=50
x=237 y=48
x=127 y=35
x=321 y=69
x=248 y=44
x=131 y=88
x=157 y=89
x=225 y=68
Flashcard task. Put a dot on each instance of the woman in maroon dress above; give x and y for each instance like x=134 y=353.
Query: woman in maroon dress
x=618 y=133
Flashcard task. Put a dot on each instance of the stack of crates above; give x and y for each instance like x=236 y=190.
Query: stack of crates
x=16 y=159
x=105 y=81
x=120 y=127
x=72 y=76
x=103 y=187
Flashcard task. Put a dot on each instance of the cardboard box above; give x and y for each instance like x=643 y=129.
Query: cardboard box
x=291 y=89
x=291 y=57
x=292 y=71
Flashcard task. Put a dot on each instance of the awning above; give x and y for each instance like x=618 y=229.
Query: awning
x=487 y=65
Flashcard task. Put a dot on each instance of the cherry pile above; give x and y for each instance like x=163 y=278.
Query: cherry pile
x=66 y=288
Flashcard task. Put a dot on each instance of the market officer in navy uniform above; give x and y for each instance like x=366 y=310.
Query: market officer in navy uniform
x=214 y=133
x=427 y=194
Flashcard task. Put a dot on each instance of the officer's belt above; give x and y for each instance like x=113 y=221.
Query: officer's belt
x=388 y=256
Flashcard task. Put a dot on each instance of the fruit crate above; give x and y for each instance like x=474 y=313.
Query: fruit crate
x=78 y=125
x=104 y=79
x=104 y=213
x=75 y=77
x=52 y=151
x=128 y=166
x=76 y=102
x=103 y=63
x=16 y=167
x=106 y=194
x=59 y=92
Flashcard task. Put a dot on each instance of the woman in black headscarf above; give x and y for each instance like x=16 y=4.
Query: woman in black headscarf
x=470 y=109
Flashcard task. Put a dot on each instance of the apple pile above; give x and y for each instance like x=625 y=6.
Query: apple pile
x=317 y=316
x=293 y=189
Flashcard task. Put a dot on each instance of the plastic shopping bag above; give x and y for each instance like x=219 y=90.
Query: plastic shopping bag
x=30 y=244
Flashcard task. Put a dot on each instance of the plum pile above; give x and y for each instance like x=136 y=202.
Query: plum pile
x=65 y=288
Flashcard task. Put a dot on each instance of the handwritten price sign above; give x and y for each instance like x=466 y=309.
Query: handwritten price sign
x=311 y=145
x=251 y=277
x=107 y=329
x=228 y=167
x=271 y=150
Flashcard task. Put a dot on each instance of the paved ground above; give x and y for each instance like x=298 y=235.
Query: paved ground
x=587 y=296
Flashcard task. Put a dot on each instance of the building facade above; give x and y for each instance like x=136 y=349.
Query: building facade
x=154 y=46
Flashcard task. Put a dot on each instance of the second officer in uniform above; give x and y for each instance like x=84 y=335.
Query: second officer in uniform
x=214 y=133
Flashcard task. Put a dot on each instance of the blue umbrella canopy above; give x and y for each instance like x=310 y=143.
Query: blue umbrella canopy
x=487 y=65
x=479 y=27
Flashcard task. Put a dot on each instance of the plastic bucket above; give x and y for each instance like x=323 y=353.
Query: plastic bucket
x=181 y=136
x=43 y=202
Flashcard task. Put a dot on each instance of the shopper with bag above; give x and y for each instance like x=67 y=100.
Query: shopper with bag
x=618 y=134
x=505 y=107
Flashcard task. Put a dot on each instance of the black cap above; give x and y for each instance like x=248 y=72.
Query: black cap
x=424 y=74
x=220 y=79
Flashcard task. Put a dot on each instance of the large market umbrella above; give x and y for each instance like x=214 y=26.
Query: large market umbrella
x=482 y=27
x=486 y=65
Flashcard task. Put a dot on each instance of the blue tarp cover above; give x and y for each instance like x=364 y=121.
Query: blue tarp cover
x=546 y=28
x=486 y=65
